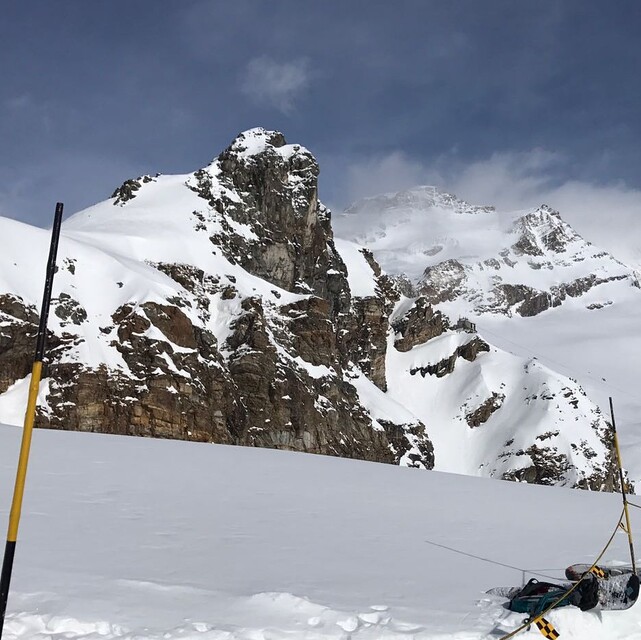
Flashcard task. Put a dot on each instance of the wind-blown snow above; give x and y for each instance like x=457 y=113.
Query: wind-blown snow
x=138 y=538
x=407 y=231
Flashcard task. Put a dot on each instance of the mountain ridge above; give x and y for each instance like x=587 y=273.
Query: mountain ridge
x=529 y=282
x=217 y=306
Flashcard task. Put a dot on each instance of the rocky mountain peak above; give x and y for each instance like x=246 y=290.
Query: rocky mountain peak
x=224 y=314
x=542 y=231
x=544 y=208
x=255 y=141
x=520 y=263
x=263 y=193
x=264 y=150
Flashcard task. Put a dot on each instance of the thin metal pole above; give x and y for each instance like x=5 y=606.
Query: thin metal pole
x=623 y=494
x=30 y=414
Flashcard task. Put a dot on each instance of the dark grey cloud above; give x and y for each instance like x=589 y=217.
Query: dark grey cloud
x=93 y=93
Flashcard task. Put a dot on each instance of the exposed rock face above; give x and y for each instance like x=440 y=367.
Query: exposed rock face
x=18 y=328
x=285 y=235
x=418 y=325
x=488 y=407
x=527 y=301
x=127 y=190
x=408 y=442
x=468 y=351
x=443 y=282
x=547 y=464
x=256 y=344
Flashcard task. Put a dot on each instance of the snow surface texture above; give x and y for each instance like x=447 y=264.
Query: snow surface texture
x=135 y=538
x=591 y=336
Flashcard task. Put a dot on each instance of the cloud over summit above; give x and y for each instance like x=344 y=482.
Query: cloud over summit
x=603 y=213
x=275 y=84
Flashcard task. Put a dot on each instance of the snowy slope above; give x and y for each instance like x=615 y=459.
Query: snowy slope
x=106 y=254
x=489 y=412
x=529 y=282
x=533 y=407
x=137 y=538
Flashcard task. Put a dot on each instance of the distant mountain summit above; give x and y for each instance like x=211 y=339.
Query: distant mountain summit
x=526 y=279
x=482 y=260
x=422 y=197
x=218 y=306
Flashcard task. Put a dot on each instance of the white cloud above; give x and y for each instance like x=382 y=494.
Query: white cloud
x=276 y=84
x=506 y=180
x=602 y=213
x=605 y=214
x=380 y=174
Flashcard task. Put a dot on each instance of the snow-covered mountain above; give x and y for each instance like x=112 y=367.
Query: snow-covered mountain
x=217 y=306
x=510 y=263
x=208 y=306
x=525 y=279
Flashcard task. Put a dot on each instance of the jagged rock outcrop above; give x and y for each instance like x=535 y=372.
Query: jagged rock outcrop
x=418 y=325
x=276 y=228
x=443 y=282
x=18 y=328
x=468 y=351
x=232 y=318
x=482 y=413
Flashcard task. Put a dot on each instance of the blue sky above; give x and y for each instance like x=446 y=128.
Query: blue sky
x=502 y=100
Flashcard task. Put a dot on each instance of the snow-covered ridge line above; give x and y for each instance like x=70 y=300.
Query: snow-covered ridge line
x=217 y=306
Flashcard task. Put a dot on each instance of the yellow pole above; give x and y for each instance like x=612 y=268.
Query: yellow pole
x=21 y=475
x=29 y=419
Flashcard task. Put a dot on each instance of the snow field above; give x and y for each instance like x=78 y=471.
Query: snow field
x=138 y=538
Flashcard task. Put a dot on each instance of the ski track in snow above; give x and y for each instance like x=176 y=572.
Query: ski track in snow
x=136 y=538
